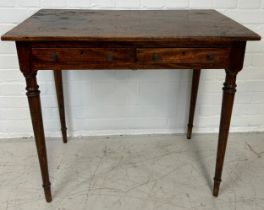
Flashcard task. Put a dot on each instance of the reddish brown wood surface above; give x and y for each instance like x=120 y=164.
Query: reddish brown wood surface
x=129 y=58
x=217 y=56
x=92 y=25
x=229 y=90
x=33 y=95
x=60 y=98
x=194 y=92
x=84 y=39
x=83 y=55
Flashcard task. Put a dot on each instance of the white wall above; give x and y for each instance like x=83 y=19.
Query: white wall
x=132 y=102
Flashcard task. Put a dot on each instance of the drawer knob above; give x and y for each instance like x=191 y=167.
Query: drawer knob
x=210 y=56
x=155 y=57
x=109 y=58
x=53 y=57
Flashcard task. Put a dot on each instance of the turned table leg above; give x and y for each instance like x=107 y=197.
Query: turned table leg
x=36 y=117
x=60 y=98
x=229 y=90
x=195 y=86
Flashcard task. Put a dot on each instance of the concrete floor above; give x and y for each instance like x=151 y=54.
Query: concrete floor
x=161 y=172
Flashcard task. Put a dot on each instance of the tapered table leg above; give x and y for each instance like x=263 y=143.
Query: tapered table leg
x=60 y=98
x=229 y=90
x=36 y=117
x=195 y=86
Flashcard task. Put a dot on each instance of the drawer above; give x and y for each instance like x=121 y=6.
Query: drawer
x=83 y=55
x=183 y=55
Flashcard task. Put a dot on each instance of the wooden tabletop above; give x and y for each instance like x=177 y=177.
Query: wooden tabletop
x=140 y=25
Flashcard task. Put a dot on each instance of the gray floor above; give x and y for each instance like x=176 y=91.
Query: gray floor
x=162 y=172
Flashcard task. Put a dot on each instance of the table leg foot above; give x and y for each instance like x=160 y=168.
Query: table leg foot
x=216 y=187
x=189 y=131
x=64 y=135
x=47 y=192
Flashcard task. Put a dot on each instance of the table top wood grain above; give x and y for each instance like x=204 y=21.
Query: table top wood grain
x=129 y=25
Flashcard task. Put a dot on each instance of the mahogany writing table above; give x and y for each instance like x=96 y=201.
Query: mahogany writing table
x=87 y=39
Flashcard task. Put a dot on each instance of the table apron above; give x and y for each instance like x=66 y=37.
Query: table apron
x=129 y=58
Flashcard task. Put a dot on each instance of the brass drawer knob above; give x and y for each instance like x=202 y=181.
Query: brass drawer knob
x=109 y=58
x=53 y=57
x=156 y=57
x=210 y=56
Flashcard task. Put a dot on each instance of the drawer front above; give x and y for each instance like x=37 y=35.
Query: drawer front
x=183 y=55
x=83 y=55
